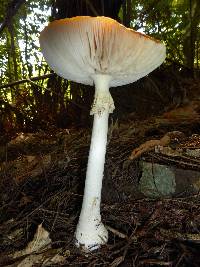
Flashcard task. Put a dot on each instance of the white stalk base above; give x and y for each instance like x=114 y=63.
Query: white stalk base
x=92 y=236
x=90 y=232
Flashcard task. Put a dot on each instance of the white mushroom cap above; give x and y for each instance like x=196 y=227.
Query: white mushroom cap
x=80 y=47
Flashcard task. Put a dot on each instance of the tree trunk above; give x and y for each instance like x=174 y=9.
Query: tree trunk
x=13 y=51
x=191 y=34
x=63 y=8
x=127 y=6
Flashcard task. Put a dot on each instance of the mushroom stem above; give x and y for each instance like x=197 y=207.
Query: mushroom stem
x=90 y=231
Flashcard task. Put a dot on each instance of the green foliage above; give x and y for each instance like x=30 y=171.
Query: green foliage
x=170 y=21
x=176 y=22
x=19 y=41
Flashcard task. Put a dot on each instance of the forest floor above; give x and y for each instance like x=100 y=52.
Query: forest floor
x=41 y=187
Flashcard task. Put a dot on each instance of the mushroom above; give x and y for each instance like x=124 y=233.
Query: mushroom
x=99 y=51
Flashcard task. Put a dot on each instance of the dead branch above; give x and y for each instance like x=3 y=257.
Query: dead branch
x=151 y=144
x=28 y=80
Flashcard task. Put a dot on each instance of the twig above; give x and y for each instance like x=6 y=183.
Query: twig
x=116 y=232
x=156 y=262
x=28 y=80
x=117 y=261
x=193 y=164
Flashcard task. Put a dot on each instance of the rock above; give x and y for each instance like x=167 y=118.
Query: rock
x=157 y=180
